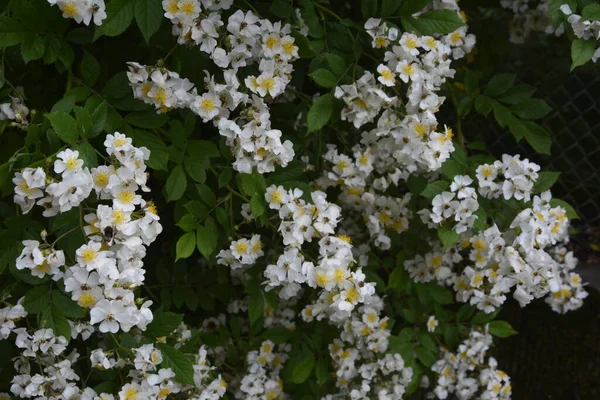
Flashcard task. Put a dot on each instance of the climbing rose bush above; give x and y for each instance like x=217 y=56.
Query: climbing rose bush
x=206 y=199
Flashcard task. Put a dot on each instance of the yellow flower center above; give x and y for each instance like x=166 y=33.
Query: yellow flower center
x=88 y=255
x=87 y=300
x=268 y=83
x=188 y=8
x=411 y=43
x=131 y=394
x=71 y=163
x=387 y=74
x=70 y=9
x=241 y=247
x=101 y=179
x=172 y=6
x=271 y=42
x=207 y=105
x=380 y=41
x=289 y=47
x=126 y=196
x=352 y=295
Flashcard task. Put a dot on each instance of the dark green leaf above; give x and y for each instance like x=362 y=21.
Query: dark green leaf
x=178 y=362
x=591 y=12
x=119 y=14
x=435 y=188
x=64 y=126
x=501 y=329
x=320 y=112
x=408 y=7
x=303 y=369
x=256 y=307
x=176 y=184
x=323 y=78
x=545 y=181
x=582 y=51
x=434 y=22
x=448 y=236
x=53 y=318
x=147 y=119
x=499 y=84
x=185 y=245
x=90 y=68
x=531 y=109
x=149 y=16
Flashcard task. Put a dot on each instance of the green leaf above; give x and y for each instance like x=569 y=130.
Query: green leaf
x=64 y=126
x=278 y=334
x=483 y=105
x=336 y=63
x=176 y=184
x=37 y=299
x=149 y=16
x=225 y=177
x=281 y=9
x=117 y=86
x=185 y=245
x=322 y=369
x=434 y=188
x=84 y=122
x=257 y=205
x=119 y=14
x=434 y=22
x=531 y=109
x=582 y=51
x=571 y=213
x=53 y=318
x=517 y=94
x=188 y=223
x=178 y=362
x=426 y=341
x=33 y=48
x=256 y=307
x=448 y=236
x=99 y=114
x=555 y=15
x=399 y=278
x=147 y=119
x=440 y=294
x=205 y=241
x=426 y=356
x=538 y=137
x=320 y=112
x=163 y=324
x=451 y=168
x=90 y=68
x=499 y=84
x=303 y=369
x=87 y=154
x=323 y=78
x=464 y=312
x=69 y=308
x=206 y=194
x=482 y=318
x=591 y=12
x=501 y=329
x=408 y=7
x=545 y=181
x=196 y=169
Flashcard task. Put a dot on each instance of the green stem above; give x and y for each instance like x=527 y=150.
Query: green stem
x=459 y=131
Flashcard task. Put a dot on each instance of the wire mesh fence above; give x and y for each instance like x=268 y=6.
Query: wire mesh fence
x=574 y=124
